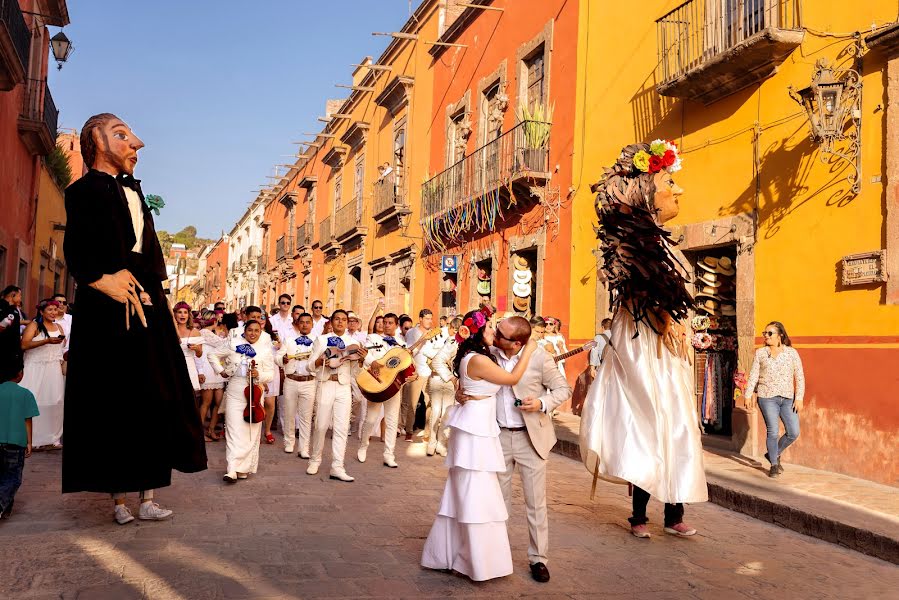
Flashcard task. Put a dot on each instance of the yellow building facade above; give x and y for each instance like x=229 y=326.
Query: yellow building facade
x=716 y=78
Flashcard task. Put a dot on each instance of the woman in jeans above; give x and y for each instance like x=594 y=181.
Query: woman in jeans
x=777 y=370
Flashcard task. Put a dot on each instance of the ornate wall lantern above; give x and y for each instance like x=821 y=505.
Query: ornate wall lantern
x=833 y=105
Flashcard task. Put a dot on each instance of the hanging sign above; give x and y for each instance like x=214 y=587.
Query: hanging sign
x=865 y=267
x=450 y=263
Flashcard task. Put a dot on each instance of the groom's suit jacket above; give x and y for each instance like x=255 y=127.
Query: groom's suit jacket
x=542 y=380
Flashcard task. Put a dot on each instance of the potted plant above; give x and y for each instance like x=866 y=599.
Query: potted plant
x=532 y=142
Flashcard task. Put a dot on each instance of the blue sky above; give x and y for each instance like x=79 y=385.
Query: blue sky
x=216 y=88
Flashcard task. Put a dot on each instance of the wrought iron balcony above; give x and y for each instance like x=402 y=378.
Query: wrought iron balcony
x=304 y=237
x=37 y=121
x=350 y=223
x=520 y=155
x=709 y=50
x=390 y=200
x=15 y=45
x=326 y=240
x=283 y=248
x=262 y=263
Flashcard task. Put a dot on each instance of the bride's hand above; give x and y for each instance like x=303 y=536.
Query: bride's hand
x=530 y=346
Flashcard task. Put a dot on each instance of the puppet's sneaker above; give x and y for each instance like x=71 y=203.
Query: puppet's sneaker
x=150 y=511
x=123 y=514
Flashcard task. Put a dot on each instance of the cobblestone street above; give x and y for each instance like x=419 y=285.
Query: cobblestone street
x=284 y=534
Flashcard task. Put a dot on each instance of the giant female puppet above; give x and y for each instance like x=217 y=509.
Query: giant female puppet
x=639 y=423
x=129 y=413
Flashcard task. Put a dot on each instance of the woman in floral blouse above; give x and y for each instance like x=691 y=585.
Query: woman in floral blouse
x=777 y=370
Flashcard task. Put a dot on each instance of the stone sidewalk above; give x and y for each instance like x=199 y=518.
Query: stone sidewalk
x=283 y=534
x=855 y=513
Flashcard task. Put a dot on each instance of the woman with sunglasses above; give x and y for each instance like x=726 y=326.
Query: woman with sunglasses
x=778 y=378
x=554 y=341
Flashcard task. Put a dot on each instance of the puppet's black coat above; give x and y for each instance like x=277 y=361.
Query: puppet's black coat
x=130 y=415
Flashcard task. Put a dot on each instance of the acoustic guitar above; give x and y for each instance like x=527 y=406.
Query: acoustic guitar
x=588 y=346
x=396 y=368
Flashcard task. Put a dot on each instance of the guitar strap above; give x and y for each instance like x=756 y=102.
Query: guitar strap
x=605 y=348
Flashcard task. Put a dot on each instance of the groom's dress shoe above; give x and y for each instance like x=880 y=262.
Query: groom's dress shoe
x=539 y=572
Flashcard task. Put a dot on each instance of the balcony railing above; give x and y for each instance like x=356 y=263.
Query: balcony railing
x=698 y=32
x=37 y=121
x=15 y=45
x=283 y=248
x=390 y=199
x=520 y=153
x=304 y=236
x=326 y=240
x=349 y=222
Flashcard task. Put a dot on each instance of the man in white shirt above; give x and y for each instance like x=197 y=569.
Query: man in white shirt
x=318 y=320
x=392 y=406
x=333 y=401
x=412 y=391
x=282 y=321
x=299 y=384
x=64 y=319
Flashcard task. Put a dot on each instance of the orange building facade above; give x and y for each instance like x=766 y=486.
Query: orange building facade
x=496 y=207
x=214 y=286
x=28 y=119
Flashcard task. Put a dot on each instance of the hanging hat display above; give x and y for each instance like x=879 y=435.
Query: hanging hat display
x=708 y=263
x=484 y=287
x=728 y=310
x=709 y=306
x=707 y=278
x=520 y=263
x=483 y=275
x=521 y=304
x=708 y=292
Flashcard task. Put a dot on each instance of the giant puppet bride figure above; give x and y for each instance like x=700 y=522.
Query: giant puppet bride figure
x=639 y=423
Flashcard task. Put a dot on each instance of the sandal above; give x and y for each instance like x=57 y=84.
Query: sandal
x=213 y=436
x=269 y=438
x=208 y=438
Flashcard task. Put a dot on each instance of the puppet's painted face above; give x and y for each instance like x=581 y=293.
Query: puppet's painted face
x=665 y=199
x=118 y=145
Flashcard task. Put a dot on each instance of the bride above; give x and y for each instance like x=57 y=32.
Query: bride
x=469 y=534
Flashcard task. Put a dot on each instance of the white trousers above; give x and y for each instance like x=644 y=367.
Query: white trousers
x=241 y=438
x=391 y=418
x=299 y=400
x=332 y=407
x=518 y=450
x=443 y=395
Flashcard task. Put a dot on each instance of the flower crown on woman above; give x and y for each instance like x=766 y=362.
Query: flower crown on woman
x=474 y=323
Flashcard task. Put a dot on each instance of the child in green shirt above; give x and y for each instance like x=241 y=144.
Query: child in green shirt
x=17 y=407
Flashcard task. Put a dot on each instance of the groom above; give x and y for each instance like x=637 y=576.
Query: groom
x=526 y=430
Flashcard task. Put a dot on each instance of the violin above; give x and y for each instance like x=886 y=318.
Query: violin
x=334 y=357
x=254 y=412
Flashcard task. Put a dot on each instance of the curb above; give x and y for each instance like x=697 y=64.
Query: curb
x=828 y=530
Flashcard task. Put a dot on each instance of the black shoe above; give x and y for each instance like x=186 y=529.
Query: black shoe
x=539 y=572
x=774 y=471
x=768 y=458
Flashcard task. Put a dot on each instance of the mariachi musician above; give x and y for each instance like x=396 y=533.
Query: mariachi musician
x=335 y=359
x=391 y=406
x=299 y=384
x=247 y=356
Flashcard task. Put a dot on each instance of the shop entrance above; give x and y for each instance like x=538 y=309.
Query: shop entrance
x=715 y=341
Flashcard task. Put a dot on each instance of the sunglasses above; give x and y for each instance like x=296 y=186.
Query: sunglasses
x=769 y=333
x=316 y=308
x=283 y=303
x=499 y=335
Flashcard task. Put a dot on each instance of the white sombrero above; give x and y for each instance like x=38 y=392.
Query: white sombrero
x=521 y=290
x=522 y=276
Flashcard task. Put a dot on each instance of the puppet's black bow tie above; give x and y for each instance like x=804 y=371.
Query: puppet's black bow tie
x=128 y=181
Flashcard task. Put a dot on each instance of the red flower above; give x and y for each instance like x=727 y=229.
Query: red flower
x=669 y=158
x=655 y=164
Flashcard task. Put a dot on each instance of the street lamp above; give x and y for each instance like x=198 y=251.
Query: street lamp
x=61 y=47
x=829 y=101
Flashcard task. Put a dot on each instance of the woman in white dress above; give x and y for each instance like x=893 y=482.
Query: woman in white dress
x=469 y=534
x=553 y=341
x=191 y=342
x=42 y=343
x=639 y=423
x=235 y=364
x=212 y=386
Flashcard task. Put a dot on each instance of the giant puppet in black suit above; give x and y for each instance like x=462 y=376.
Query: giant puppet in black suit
x=130 y=416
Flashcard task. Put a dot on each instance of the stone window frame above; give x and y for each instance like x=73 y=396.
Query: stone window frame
x=463 y=105
x=499 y=76
x=400 y=123
x=525 y=51
x=535 y=241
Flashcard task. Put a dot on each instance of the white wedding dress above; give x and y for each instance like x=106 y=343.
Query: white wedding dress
x=44 y=378
x=469 y=534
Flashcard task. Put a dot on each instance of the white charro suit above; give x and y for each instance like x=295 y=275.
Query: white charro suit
x=527 y=439
x=299 y=391
x=333 y=403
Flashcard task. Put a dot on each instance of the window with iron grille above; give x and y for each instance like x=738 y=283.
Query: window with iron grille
x=358 y=179
x=338 y=190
